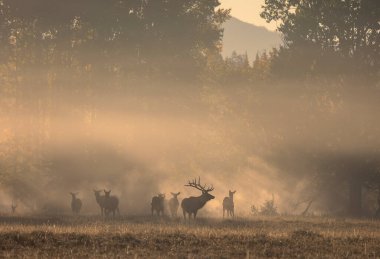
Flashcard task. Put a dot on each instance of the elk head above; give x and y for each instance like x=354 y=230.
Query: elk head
x=204 y=189
x=107 y=193
x=175 y=195
x=231 y=194
x=73 y=195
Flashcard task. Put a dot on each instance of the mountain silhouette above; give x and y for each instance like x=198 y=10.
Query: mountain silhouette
x=244 y=37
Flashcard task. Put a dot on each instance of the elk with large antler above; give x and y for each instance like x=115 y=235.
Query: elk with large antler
x=192 y=204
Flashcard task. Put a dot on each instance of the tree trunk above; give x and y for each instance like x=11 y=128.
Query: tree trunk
x=355 y=198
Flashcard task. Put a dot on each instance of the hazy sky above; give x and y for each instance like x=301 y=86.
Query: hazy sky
x=248 y=11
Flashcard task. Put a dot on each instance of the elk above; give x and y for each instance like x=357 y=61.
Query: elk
x=111 y=204
x=76 y=204
x=100 y=200
x=228 y=204
x=192 y=204
x=158 y=204
x=174 y=204
x=13 y=207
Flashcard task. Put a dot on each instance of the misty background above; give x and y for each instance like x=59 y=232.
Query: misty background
x=136 y=97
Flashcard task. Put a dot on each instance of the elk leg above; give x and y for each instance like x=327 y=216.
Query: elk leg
x=184 y=214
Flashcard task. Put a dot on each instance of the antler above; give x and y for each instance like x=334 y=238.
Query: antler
x=197 y=185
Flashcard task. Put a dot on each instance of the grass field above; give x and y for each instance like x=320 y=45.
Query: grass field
x=146 y=237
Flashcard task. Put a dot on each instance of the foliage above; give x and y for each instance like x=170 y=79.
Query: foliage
x=268 y=208
x=327 y=37
x=142 y=38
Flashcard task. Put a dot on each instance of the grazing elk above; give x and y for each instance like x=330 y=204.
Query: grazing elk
x=158 y=204
x=174 y=204
x=100 y=200
x=228 y=204
x=111 y=204
x=76 y=204
x=191 y=205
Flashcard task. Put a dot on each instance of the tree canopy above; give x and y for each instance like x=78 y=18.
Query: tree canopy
x=169 y=38
x=328 y=36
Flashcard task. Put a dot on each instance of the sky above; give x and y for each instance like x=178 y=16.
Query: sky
x=247 y=11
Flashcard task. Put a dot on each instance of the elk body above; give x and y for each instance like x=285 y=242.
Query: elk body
x=174 y=204
x=76 y=204
x=191 y=205
x=13 y=207
x=100 y=200
x=158 y=204
x=111 y=204
x=228 y=204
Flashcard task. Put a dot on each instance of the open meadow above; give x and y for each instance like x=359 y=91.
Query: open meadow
x=146 y=237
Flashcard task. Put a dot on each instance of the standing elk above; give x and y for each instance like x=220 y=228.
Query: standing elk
x=100 y=200
x=228 y=204
x=174 y=204
x=191 y=205
x=111 y=204
x=158 y=204
x=13 y=207
x=76 y=204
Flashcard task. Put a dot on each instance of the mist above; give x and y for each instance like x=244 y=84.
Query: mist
x=262 y=142
x=136 y=98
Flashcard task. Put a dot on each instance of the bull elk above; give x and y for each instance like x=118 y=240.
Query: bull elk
x=174 y=204
x=192 y=204
x=76 y=204
x=228 y=204
x=158 y=204
x=111 y=204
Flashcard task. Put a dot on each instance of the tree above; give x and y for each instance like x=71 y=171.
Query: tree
x=61 y=56
x=328 y=37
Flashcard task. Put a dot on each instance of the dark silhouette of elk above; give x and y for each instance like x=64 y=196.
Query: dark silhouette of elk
x=192 y=204
x=76 y=204
x=228 y=204
x=158 y=204
x=13 y=208
x=100 y=200
x=174 y=204
x=111 y=204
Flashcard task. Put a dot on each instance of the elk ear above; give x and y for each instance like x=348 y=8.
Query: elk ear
x=172 y=193
x=178 y=193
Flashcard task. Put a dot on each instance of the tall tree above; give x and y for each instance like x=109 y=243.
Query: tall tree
x=328 y=36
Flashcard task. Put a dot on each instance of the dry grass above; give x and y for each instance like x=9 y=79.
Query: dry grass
x=212 y=238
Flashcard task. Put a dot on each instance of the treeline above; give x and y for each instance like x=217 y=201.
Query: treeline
x=81 y=60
